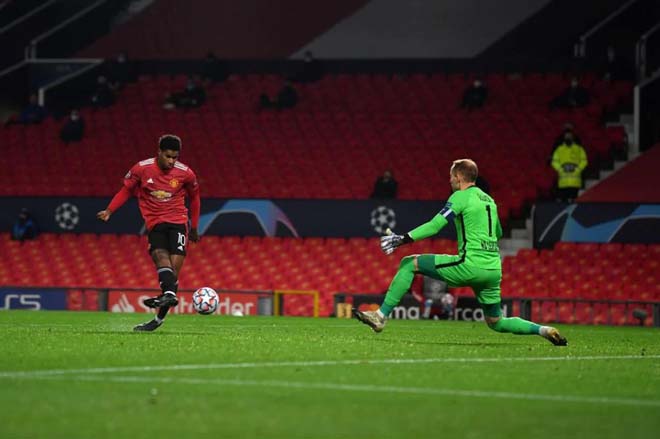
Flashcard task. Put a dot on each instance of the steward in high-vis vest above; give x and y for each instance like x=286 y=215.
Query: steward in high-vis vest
x=569 y=160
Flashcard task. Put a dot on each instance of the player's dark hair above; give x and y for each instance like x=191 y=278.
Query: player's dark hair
x=169 y=141
x=467 y=168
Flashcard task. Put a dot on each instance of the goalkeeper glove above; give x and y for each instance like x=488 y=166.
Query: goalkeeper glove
x=390 y=241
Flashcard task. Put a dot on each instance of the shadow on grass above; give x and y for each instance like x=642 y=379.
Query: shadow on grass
x=129 y=331
x=444 y=343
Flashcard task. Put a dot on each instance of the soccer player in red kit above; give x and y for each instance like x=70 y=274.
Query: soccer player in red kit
x=161 y=185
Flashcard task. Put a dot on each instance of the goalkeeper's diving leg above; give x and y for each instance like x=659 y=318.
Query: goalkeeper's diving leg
x=398 y=287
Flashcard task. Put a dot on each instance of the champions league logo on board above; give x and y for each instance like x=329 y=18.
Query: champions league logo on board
x=383 y=218
x=67 y=216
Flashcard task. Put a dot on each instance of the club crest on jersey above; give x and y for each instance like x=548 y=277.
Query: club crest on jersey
x=174 y=183
x=161 y=195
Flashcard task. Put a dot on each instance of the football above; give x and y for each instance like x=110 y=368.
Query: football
x=205 y=300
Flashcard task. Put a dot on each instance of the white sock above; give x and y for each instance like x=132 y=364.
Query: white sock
x=170 y=292
x=543 y=331
x=158 y=320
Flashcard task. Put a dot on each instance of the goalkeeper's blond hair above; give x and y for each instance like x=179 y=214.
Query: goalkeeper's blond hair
x=466 y=168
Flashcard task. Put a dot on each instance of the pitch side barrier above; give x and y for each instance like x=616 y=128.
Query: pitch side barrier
x=538 y=309
x=129 y=300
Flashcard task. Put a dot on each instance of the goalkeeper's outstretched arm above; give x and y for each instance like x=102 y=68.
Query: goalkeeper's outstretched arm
x=429 y=228
x=391 y=241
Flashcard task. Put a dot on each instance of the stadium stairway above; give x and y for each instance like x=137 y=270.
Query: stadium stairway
x=618 y=135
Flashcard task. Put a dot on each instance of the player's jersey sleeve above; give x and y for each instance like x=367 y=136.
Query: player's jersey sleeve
x=191 y=185
x=192 y=190
x=132 y=177
x=454 y=206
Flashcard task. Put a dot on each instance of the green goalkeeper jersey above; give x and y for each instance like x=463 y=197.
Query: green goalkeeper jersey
x=477 y=225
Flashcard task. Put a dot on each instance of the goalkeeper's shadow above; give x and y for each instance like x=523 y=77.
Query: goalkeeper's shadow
x=441 y=343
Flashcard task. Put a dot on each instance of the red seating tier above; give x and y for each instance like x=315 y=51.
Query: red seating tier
x=346 y=130
x=328 y=265
x=120 y=261
x=589 y=271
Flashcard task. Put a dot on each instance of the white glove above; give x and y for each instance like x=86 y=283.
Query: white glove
x=390 y=241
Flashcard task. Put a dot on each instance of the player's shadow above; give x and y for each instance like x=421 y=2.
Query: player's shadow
x=130 y=332
x=441 y=343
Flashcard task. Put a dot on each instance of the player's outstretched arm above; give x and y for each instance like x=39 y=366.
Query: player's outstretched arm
x=195 y=209
x=117 y=201
x=391 y=241
x=429 y=229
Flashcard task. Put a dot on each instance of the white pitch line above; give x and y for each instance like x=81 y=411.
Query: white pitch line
x=369 y=388
x=253 y=365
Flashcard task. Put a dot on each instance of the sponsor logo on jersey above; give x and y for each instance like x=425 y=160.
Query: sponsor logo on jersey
x=174 y=183
x=161 y=195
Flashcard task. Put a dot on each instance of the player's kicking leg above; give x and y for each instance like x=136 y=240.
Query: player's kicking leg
x=516 y=325
x=401 y=282
x=168 y=283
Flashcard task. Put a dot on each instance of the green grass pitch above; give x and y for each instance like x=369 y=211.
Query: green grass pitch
x=86 y=375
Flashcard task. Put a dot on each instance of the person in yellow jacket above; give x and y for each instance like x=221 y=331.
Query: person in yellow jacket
x=569 y=160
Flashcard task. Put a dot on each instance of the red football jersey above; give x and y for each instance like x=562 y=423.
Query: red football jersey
x=161 y=193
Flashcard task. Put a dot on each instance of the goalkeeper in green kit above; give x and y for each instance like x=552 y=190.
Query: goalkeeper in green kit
x=476 y=265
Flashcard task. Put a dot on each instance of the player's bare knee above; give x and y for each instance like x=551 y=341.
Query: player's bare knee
x=161 y=257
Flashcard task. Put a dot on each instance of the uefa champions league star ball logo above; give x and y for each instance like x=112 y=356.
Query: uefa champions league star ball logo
x=67 y=216
x=383 y=218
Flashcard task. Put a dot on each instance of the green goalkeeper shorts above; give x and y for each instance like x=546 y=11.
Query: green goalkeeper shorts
x=451 y=269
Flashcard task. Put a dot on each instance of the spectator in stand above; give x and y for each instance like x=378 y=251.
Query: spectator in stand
x=569 y=160
x=385 y=186
x=103 y=96
x=25 y=227
x=31 y=114
x=475 y=95
x=193 y=96
x=73 y=129
x=213 y=70
x=575 y=96
x=119 y=72
x=287 y=97
x=311 y=70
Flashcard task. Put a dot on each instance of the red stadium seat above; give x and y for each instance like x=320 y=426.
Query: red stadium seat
x=368 y=121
